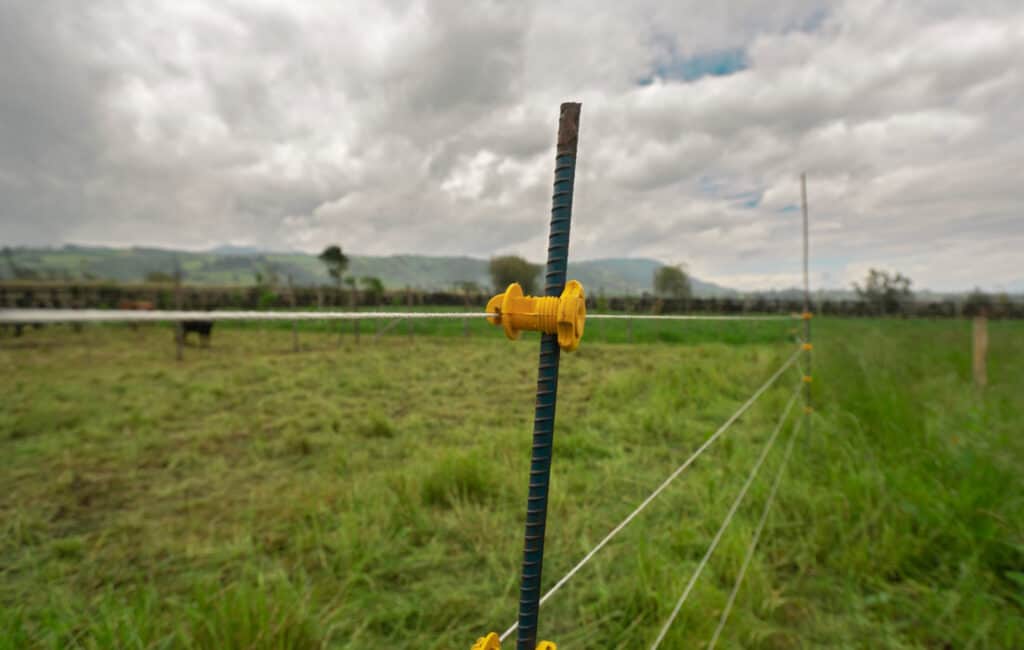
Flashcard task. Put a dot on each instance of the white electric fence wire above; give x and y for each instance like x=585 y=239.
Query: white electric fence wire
x=757 y=536
x=725 y=524
x=131 y=315
x=690 y=317
x=679 y=470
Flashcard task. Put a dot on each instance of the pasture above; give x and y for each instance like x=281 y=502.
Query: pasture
x=372 y=495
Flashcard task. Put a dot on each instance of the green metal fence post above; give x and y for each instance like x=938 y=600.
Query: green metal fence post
x=547 y=380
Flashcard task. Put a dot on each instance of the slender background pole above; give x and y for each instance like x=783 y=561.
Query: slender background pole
x=980 y=330
x=807 y=302
x=295 y=324
x=547 y=380
x=179 y=327
x=408 y=301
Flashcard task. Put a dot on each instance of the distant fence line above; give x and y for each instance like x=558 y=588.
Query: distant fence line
x=99 y=295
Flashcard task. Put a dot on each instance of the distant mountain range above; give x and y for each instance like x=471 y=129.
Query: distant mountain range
x=233 y=265
x=240 y=265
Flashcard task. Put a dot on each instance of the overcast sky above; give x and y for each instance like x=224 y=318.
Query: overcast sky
x=411 y=127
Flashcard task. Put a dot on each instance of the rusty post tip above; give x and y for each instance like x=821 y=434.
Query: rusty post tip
x=568 y=128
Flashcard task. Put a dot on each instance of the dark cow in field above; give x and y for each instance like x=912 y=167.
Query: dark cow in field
x=202 y=328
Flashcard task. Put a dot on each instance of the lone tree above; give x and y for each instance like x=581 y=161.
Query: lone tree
x=336 y=261
x=373 y=287
x=885 y=292
x=468 y=288
x=511 y=268
x=978 y=303
x=353 y=291
x=672 y=282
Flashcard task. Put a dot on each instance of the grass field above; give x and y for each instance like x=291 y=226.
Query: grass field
x=597 y=331
x=373 y=496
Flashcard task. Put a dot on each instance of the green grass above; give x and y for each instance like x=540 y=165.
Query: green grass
x=597 y=331
x=373 y=495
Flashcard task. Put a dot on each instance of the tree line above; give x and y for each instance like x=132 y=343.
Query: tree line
x=881 y=293
x=98 y=295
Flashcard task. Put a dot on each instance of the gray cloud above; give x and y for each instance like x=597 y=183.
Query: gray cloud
x=429 y=126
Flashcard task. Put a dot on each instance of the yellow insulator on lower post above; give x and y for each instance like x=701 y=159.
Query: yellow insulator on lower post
x=807 y=315
x=564 y=316
x=493 y=642
x=807 y=347
x=808 y=379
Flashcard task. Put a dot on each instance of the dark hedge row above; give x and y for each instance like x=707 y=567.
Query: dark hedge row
x=163 y=296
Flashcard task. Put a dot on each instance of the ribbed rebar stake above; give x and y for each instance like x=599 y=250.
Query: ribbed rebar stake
x=547 y=380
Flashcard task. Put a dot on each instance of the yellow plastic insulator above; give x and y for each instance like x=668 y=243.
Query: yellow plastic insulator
x=489 y=642
x=493 y=642
x=807 y=315
x=807 y=347
x=564 y=316
x=808 y=410
x=807 y=379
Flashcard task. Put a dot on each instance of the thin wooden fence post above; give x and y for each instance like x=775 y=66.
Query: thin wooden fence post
x=980 y=351
x=295 y=323
x=179 y=326
x=353 y=301
x=409 y=303
x=66 y=302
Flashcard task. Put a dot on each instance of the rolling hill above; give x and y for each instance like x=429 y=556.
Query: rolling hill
x=230 y=265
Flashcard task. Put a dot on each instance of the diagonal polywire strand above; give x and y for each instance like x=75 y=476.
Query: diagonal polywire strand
x=679 y=470
x=728 y=519
x=757 y=536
